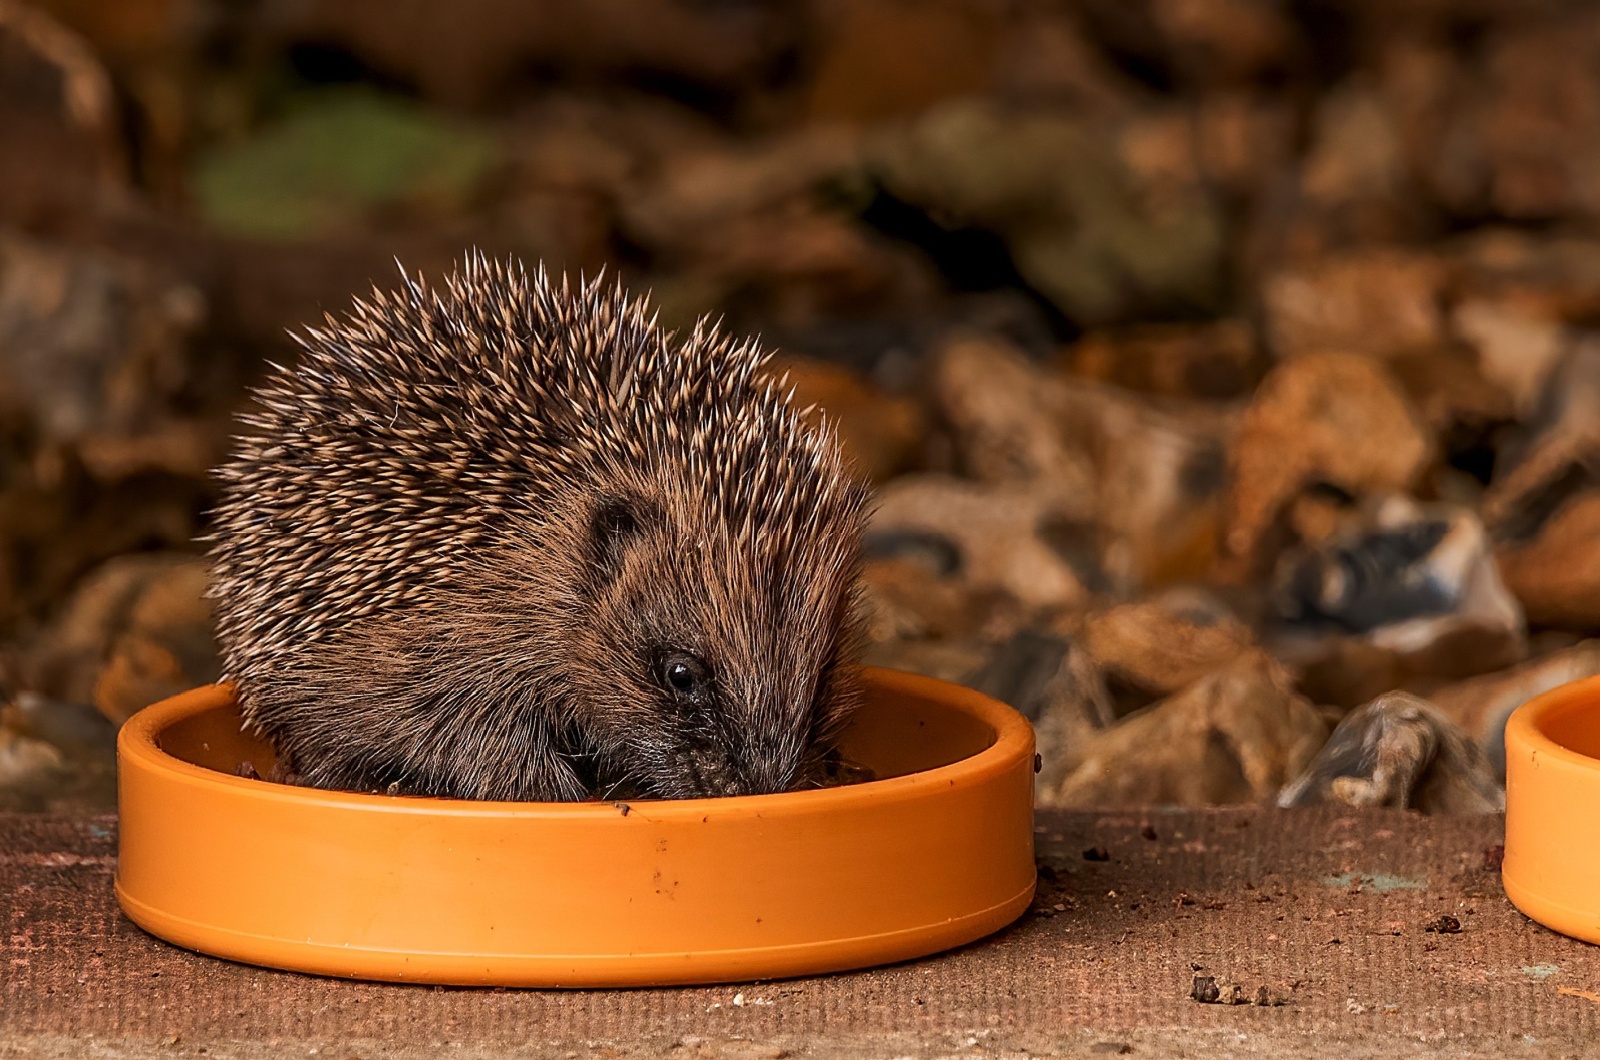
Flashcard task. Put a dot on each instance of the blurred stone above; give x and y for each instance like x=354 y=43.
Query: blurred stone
x=798 y=267
x=1539 y=124
x=1518 y=342
x=1234 y=736
x=188 y=448
x=25 y=761
x=1214 y=361
x=1450 y=393
x=1152 y=476
x=565 y=231
x=1506 y=128
x=1105 y=221
x=1162 y=479
x=998 y=534
x=56 y=523
x=1556 y=573
x=754 y=231
x=153 y=51
x=696 y=191
x=1019 y=670
x=467 y=53
x=908 y=600
x=1315 y=515
x=1481 y=705
x=1542 y=502
x=1043 y=58
x=1054 y=684
x=1011 y=421
x=1245 y=140
x=1421 y=80
x=1558 y=262
x=1356 y=189
x=93 y=350
x=1159 y=645
x=137 y=630
x=944 y=660
x=1356 y=154
x=574 y=140
x=63 y=160
x=881 y=433
x=69 y=727
x=1549 y=275
x=1545 y=642
x=1417 y=585
x=1380 y=302
x=1368 y=576
x=56 y=758
x=1338 y=420
x=1553 y=460
x=1341 y=671
x=878 y=61
x=129 y=29
x=1226 y=40
x=1399 y=751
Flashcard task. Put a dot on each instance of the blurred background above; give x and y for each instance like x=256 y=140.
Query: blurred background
x=1223 y=365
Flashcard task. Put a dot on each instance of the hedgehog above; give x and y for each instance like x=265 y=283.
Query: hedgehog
x=498 y=538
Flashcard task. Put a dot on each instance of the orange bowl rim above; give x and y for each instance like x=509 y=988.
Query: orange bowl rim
x=1524 y=728
x=137 y=747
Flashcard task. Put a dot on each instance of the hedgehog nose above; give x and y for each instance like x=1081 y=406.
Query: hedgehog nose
x=718 y=776
x=713 y=776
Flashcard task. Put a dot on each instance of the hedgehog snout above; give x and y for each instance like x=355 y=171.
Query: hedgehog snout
x=718 y=772
x=710 y=775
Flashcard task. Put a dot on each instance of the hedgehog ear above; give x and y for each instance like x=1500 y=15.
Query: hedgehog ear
x=615 y=524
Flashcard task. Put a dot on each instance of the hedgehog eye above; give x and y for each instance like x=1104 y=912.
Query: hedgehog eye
x=685 y=677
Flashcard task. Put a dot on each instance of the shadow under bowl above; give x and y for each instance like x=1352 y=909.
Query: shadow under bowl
x=1551 y=869
x=936 y=853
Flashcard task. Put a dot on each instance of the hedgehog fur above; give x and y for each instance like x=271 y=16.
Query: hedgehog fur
x=507 y=539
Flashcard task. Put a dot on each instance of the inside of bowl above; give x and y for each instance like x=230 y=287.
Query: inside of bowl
x=1574 y=725
x=893 y=734
x=213 y=739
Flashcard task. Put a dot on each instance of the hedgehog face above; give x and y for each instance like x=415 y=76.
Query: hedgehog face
x=715 y=664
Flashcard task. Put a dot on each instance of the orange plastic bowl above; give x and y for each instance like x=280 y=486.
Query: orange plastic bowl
x=1552 y=862
x=584 y=894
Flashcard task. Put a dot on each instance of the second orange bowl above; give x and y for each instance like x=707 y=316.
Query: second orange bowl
x=1552 y=857
x=584 y=894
